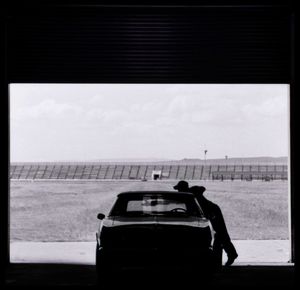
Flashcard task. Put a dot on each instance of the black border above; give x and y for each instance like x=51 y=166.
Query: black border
x=16 y=11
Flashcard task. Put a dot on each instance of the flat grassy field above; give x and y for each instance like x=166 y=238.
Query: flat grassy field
x=66 y=210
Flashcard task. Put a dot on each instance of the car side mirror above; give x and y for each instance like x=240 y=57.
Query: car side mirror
x=100 y=216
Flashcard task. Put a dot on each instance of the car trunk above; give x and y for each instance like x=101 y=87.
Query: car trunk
x=158 y=241
x=157 y=232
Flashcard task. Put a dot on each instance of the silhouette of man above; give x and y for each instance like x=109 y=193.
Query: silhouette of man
x=213 y=212
x=182 y=186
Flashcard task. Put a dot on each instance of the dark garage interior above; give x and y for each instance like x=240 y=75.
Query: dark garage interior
x=108 y=42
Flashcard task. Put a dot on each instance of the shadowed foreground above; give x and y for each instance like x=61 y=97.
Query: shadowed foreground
x=82 y=275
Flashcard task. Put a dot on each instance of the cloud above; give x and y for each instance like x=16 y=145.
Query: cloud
x=48 y=108
x=107 y=116
x=199 y=110
x=271 y=107
x=176 y=120
x=178 y=105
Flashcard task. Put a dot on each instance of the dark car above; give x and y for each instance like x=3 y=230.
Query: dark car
x=154 y=229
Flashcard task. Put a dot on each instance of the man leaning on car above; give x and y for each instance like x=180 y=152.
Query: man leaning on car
x=213 y=212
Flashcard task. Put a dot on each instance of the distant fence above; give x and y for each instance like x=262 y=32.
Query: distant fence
x=146 y=172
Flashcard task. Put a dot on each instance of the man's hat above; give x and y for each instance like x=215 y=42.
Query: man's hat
x=181 y=184
x=197 y=189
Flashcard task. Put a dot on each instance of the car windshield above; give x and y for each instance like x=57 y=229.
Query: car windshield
x=148 y=205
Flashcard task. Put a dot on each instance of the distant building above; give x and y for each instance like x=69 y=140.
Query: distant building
x=156 y=174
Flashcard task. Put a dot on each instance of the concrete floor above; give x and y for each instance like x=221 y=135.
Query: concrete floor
x=257 y=252
x=261 y=264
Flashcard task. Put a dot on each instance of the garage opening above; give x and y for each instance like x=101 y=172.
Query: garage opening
x=74 y=147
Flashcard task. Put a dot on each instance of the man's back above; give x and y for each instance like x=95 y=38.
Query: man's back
x=213 y=212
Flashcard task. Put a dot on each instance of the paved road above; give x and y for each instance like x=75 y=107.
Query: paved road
x=250 y=252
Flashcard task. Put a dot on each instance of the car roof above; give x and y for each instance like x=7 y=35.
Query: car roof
x=154 y=192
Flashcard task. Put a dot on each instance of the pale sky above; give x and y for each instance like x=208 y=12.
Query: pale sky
x=76 y=122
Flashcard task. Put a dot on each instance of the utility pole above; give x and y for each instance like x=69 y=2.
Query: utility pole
x=204 y=167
